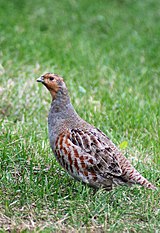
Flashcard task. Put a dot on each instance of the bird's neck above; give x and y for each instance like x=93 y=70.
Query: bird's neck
x=62 y=116
x=61 y=105
x=60 y=101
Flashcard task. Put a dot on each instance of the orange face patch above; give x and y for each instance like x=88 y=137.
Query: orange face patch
x=52 y=83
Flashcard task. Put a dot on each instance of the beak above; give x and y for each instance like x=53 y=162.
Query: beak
x=40 y=79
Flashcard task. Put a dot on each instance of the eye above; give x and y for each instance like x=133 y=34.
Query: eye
x=51 y=78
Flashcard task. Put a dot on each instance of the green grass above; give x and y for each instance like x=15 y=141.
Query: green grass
x=108 y=53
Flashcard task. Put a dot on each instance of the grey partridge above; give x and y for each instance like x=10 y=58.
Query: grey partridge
x=84 y=151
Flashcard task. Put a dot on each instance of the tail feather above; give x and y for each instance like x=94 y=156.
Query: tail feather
x=132 y=176
x=137 y=178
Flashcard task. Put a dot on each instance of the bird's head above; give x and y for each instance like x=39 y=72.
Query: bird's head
x=54 y=83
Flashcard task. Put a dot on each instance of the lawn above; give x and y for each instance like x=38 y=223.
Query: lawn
x=108 y=53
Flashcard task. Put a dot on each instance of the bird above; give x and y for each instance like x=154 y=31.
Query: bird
x=83 y=150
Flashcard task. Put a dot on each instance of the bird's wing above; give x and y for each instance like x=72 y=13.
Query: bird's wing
x=85 y=148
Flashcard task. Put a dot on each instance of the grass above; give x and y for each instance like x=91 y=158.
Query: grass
x=108 y=53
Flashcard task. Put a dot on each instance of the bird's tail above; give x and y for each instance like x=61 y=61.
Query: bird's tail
x=132 y=176
x=139 y=179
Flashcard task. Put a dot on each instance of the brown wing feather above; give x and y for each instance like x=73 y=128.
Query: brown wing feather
x=90 y=142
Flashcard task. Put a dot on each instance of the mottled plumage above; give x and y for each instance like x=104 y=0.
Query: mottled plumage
x=84 y=151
